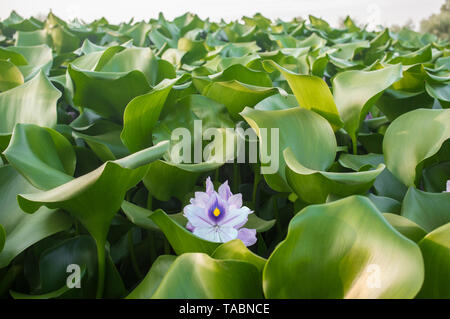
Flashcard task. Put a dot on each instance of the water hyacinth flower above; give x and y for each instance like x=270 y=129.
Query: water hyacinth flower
x=219 y=216
x=448 y=186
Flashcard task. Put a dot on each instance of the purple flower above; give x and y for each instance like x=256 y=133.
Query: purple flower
x=219 y=216
x=448 y=186
x=369 y=116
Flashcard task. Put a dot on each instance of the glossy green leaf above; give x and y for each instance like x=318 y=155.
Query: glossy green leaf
x=298 y=128
x=141 y=114
x=440 y=92
x=152 y=280
x=435 y=249
x=236 y=250
x=42 y=155
x=15 y=106
x=356 y=91
x=411 y=139
x=386 y=184
x=306 y=89
x=314 y=186
x=130 y=59
x=405 y=226
x=32 y=38
x=10 y=76
x=95 y=198
x=39 y=58
x=338 y=250
x=428 y=210
x=196 y=275
x=2 y=238
x=107 y=93
x=23 y=230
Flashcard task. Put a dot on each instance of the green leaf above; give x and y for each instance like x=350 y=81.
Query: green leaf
x=15 y=106
x=428 y=210
x=54 y=261
x=103 y=137
x=385 y=204
x=23 y=230
x=314 y=186
x=85 y=196
x=39 y=58
x=386 y=184
x=181 y=239
x=420 y=56
x=307 y=89
x=50 y=295
x=298 y=128
x=141 y=114
x=440 y=92
x=339 y=250
x=277 y=102
x=436 y=255
x=236 y=95
x=236 y=250
x=152 y=280
x=32 y=38
x=356 y=91
x=10 y=76
x=107 y=93
x=95 y=198
x=175 y=176
x=394 y=103
x=42 y=155
x=411 y=139
x=406 y=227
x=261 y=225
x=13 y=57
x=81 y=251
x=2 y=238
x=197 y=276
x=129 y=59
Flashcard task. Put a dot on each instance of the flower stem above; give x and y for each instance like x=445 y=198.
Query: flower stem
x=149 y=201
x=101 y=267
x=153 y=252
x=216 y=175
x=166 y=247
x=255 y=186
x=134 y=262
x=276 y=213
x=236 y=178
x=355 y=145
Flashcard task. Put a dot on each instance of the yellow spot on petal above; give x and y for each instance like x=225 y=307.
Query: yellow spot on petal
x=216 y=212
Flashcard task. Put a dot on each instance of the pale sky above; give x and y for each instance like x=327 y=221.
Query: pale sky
x=385 y=12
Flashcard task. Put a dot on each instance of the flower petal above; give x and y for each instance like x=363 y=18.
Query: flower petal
x=197 y=216
x=248 y=236
x=207 y=233
x=448 y=186
x=190 y=227
x=234 y=217
x=224 y=191
x=201 y=199
x=227 y=233
x=209 y=186
x=235 y=201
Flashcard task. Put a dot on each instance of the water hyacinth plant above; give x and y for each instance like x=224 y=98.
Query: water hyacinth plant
x=219 y=216
x=95 y=201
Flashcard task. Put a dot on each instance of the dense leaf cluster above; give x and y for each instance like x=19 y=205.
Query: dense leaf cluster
x=356 y=209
